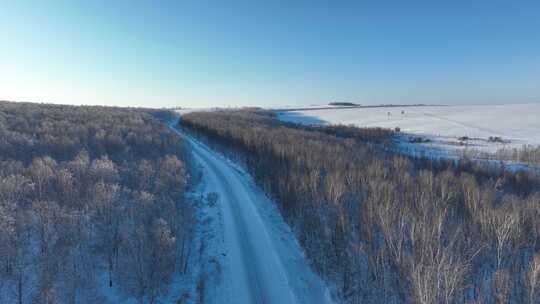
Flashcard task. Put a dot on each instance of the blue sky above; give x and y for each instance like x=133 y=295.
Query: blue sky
x=268 y=53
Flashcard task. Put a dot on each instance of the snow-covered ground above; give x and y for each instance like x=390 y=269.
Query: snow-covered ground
x=255 y=256
x=515 y=125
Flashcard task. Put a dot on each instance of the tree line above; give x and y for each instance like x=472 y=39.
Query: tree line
x=526 y=154
x=91 y=202
x=388 y=228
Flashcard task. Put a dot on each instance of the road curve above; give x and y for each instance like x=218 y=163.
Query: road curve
x=261 y=267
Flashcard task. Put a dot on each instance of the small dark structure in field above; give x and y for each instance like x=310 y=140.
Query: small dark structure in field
x=418 y=140
x=497 y=139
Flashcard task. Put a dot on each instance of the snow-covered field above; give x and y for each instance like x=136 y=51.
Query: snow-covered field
x=515 y=125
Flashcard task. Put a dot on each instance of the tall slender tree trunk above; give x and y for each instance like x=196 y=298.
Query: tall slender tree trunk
x=110 y=270
x=20 y=288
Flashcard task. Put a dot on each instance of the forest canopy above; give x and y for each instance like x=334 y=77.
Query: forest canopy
x=388 y=228
x=90 y=195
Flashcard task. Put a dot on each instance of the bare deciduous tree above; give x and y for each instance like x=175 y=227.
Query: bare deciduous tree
x=532 y=279
x=503 y=225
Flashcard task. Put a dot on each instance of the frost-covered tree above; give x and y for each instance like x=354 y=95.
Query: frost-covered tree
x=386 y=228
x=72 y=187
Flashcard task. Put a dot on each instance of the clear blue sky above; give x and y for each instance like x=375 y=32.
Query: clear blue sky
x=220 y=53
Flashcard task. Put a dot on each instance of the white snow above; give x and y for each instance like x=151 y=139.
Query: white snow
x=311 y=107
x=259 y=258
x=517 y=125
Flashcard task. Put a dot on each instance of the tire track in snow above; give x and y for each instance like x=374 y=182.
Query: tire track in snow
x=248 y=257
x=464 y=125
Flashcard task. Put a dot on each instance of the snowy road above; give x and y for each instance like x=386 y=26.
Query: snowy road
x=263 y=263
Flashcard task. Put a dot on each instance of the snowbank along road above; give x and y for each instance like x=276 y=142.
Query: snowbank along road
x=263 y=262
